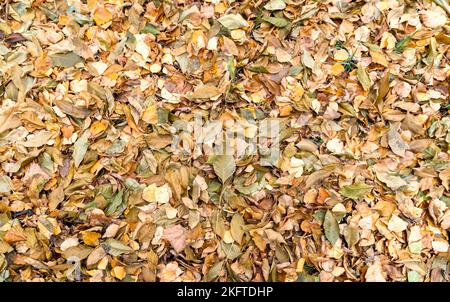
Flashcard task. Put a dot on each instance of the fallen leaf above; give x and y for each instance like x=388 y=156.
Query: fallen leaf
x=233 y=21
x=363 y=78
x=224 y=167
x=80 y=148
x=176 y=235
x=331 y=227
x=237 y=224
x=356 y=190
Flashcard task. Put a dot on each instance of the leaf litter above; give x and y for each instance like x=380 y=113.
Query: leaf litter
x=105 y=177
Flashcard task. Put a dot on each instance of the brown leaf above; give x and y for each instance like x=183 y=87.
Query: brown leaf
x=72 y=110
x=15 y=38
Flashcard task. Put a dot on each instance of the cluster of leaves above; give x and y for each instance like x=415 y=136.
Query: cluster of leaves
x=117 y=118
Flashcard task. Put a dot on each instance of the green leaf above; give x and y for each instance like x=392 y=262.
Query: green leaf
x=231 y=250
x=65 y=60
x=214 y=271
x=331 y=228
x=214 y=186
x=278 y=22
x=319 y=215
x=363 y=78
x=115 y=247
x=224 y=167
x=258 y=69
x=115 y=203
x=356 y=190
x=239 y=184
x=80 y=148
x=295 y=70
x=150 y=29
x=233 y=21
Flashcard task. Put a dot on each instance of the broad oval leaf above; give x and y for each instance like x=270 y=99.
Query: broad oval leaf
x=356 y=190
x=65 y=60
x=277 y=22
x=233 y=21
x=80 y=148
x=237 y=224
x=331 y=227
x=224 y=167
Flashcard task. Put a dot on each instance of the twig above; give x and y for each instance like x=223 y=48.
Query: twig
x=6 y=10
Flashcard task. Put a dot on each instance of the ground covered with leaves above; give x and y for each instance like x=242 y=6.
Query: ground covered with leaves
x=104 y=177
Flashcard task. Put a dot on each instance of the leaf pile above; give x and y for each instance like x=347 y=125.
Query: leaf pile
x=104 y=177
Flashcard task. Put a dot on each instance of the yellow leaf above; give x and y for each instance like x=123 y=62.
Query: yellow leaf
x=378 y=58
x=98 y=127
x=285 y=110
x=150 y=115
x=91 y=4
x=102 y=15
x=152 y=193
x=119 y=272
x=341 y=55
x=206 y=92
x=149 y=193
x=90 y=238
x=337 y=69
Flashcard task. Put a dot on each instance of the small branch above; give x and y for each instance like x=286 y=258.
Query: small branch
x=6 y=9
